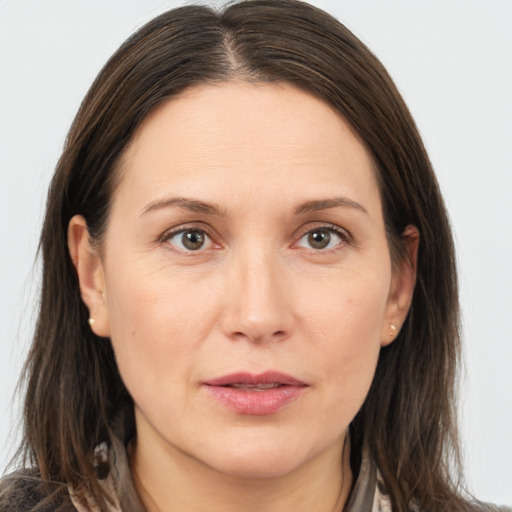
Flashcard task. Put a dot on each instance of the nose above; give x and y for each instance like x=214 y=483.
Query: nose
x=257 y=300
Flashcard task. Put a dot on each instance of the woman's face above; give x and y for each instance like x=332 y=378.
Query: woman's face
x=245 y=279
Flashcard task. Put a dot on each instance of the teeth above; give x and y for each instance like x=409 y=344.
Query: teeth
x=256 y=387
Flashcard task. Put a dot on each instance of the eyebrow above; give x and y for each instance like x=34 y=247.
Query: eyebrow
x=325 y=204
x=193 y=205
x=197 y=206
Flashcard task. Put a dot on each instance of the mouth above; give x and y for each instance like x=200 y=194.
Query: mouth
x=255 y=387
x=256 y=395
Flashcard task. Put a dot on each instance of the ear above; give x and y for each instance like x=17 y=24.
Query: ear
x=402 y=287
x=89 y=267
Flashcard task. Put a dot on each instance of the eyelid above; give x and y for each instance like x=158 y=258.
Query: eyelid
x=197 y=226
x=345 y=236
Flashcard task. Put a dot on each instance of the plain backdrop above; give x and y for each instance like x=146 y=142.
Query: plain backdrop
x=452 y=61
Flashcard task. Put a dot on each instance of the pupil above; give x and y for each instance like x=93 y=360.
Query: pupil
x=193 y=240
x=319 y=239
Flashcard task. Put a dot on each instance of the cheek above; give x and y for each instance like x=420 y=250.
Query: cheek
x=344 y=321
x=349 y=305
x=348 y=364
x=157 y=324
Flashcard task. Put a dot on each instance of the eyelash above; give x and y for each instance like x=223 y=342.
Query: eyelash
x=164 y=239
x=344 y=236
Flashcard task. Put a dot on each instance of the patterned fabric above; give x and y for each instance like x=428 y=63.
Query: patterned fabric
x=381 y=502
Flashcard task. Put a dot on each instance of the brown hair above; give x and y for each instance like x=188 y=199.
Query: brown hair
x=73 y=386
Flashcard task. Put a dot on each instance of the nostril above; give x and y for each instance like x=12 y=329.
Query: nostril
x=259 y=337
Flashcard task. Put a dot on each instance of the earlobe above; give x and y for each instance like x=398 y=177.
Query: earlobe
x=402 y=287
x=89 y=268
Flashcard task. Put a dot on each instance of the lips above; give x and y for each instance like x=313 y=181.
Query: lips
x=257 y=395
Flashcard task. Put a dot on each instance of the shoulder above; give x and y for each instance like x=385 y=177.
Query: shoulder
x=23 y=491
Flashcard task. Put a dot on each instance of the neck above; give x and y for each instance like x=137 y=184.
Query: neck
x=180 y=483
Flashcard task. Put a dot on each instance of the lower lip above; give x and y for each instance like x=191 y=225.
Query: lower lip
x=255 y=403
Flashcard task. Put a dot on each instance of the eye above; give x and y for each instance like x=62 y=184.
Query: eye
x=321 y=239
x=189 y=240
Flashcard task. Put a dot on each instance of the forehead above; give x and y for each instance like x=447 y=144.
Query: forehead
x=217 y=138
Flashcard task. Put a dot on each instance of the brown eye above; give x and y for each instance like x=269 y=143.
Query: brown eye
x=193 y=240
x=319 y=239
x=189 y=240
x=322 y=238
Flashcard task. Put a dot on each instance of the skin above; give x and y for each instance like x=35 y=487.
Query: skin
x=256 y=296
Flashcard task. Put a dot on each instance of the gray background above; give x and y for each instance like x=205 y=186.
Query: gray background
x=452 y=60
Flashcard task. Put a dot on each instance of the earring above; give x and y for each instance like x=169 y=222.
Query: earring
x=392 y=330
x=91 y=321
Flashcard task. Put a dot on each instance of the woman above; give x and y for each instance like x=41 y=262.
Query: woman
x=249 y=298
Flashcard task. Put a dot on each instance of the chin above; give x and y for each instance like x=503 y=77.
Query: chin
x=256 y=459
x=260 y=467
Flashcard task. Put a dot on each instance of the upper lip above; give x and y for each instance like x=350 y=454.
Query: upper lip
x=270 y=377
